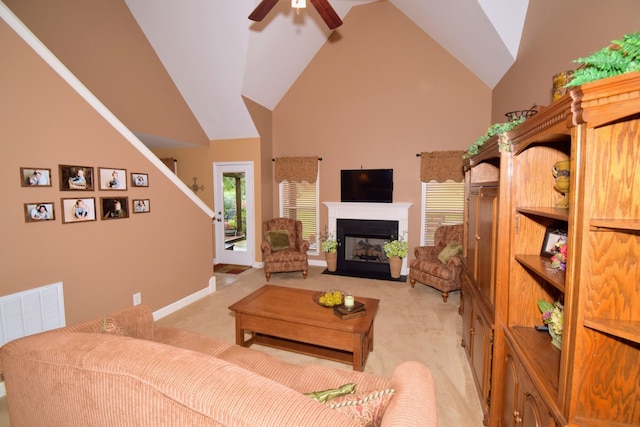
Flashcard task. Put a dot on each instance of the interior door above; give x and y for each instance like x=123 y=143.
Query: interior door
x=233 y=200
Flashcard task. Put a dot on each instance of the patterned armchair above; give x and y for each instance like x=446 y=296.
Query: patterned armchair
x=283 y=248
x=429 y=270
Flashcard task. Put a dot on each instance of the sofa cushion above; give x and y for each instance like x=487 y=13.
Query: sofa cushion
x=111 y=325
x=278 y=239
x=451 y=250
x=367 y=408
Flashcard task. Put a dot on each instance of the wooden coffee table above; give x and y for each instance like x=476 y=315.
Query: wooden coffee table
x=289 y=319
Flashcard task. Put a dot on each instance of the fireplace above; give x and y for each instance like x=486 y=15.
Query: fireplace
x=361 y=229
x=360 y=247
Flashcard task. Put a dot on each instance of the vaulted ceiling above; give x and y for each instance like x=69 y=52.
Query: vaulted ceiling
x=216 y=55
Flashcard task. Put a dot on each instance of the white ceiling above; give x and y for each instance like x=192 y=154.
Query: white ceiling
x=215 y=54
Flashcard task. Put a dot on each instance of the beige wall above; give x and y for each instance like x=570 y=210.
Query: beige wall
x=556 y=33
x=198 y=162
x=375 y=97
x=165 y=254
x=102 y=45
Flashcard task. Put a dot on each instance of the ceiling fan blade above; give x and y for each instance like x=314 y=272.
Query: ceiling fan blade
x=262 y=9
x=327 y=13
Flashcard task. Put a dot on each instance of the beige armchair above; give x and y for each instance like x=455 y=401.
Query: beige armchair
x=439 y=266
x=283 y=248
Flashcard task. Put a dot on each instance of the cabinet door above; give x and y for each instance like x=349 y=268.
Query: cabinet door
x=481 y=354
x=472 y=235
x=486 y=241
x=466 y=310
x=510 y=413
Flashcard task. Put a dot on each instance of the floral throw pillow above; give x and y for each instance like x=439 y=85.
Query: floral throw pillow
x=366 y=408
x=111 y=326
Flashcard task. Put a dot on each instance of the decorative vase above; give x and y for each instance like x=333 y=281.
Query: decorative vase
x=395 y=266
x=561 y=173
x=332 y=261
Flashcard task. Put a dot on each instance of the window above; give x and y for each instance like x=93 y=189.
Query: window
x=442 y=202
x=299 y=200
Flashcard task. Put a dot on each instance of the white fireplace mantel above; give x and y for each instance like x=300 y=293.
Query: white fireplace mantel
x=377 y=211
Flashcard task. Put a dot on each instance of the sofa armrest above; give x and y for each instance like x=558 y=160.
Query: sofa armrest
x=414 y=401
x=265 y=247
x=137 y=322
x=190 y=340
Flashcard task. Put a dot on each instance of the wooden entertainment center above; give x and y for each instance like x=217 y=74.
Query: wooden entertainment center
x=522 y=379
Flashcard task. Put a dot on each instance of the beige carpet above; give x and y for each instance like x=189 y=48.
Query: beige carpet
x=412 y=324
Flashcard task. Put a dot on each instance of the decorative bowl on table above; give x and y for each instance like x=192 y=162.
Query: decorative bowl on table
x=329 y=297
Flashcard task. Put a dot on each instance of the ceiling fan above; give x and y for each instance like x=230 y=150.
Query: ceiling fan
x=323 y=7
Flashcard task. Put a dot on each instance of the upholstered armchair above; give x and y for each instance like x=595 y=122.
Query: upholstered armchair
x=283 y=248
x=439 y=266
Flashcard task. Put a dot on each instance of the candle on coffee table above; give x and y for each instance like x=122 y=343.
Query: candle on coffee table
x=348 y=301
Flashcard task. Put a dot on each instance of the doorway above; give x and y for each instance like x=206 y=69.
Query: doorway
x=235 y=216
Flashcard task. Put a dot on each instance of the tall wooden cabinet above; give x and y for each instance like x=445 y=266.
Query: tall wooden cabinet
x=479 y=266
x=594 y=380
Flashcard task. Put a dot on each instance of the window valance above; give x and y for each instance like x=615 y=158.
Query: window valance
x=441 y=166
x=296 y=169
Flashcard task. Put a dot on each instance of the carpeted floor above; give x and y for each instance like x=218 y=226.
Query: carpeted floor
x=230 y=268
x=412 y=324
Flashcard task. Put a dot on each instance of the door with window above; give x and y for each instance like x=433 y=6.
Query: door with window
x=233 y=200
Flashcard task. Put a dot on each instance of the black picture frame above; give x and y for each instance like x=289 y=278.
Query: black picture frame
x=553 y=234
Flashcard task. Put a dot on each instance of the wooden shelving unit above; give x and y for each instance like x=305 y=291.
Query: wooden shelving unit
x=593 y=380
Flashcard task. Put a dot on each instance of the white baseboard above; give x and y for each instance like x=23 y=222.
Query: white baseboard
x=173 y=307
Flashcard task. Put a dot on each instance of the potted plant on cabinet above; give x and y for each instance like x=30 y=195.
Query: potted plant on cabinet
x=395 y=250
x=329 y=246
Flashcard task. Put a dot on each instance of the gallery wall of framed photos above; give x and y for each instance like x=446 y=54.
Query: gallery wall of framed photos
x=85 y=205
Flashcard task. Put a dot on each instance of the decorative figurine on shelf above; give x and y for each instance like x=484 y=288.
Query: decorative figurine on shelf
x=561 y=174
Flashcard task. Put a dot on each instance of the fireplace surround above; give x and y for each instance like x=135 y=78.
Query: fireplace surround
x=368 y=226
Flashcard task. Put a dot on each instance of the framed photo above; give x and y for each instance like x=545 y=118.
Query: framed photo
x=39 y=212
x=112 y=179
x=76 y=178
x=35 y=177
x=139 y=180
x=141 y=205
x=78 y=210
x=554 y=234
x=114 y=207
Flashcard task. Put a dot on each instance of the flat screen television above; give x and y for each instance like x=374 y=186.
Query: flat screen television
x=366 y=185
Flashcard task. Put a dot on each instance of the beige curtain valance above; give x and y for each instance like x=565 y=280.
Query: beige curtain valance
x=441 y=166
x=296 y=169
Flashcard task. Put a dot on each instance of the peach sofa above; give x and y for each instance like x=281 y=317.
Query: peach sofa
x=145 y=374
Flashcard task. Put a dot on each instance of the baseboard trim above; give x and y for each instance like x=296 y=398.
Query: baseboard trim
x=189 y=299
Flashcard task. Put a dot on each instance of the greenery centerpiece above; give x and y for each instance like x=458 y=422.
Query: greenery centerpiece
x=494 y=129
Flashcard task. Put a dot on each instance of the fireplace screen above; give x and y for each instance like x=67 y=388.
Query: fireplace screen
x=360 y=246
x=363 y=249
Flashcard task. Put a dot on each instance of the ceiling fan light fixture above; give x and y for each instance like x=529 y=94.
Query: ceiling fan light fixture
x=299 y=4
